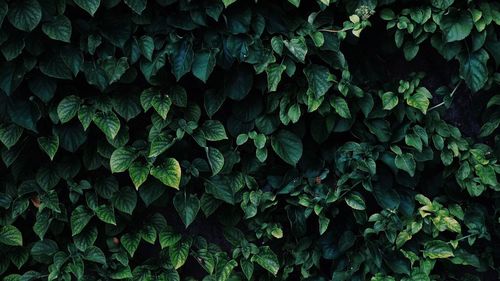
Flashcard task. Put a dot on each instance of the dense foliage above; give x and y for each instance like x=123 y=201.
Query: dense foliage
x=249 y=140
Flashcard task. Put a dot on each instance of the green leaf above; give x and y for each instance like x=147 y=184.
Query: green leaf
x=58 y=29
x=125 y=200
x=121 y=159
x=90 y=6
x=228 y=2
x=160 y=144
x=296 y=3
x=182 y=58
x=68 y=108
x=10 y=134
x=203 y=64
x=298 y=48
x=25 y=14
x=474 y=70
x=94 y=254
x=147 y=46
x=49 y=145
x=215 y=159
x=137 y=6
x=80 y=217
x=179 y=253
x=161 y=103
x=238 y=83
x=438 y=249
x=10 y=235
x=420 y=99
x=355 y=201
x=486 y=174
x=318 y=79
x=288 y=146
x=187 y=206
x=389 y=100
x=169 y=173
x=106 y=214
x=341 y=107
x=267 y=259
x=168 y=238
x=456 y=25
x=138 y=173
x=274 y=72
x=406 y=163
x=108 y=123
x=213 y=130
x=114 y=69
x=130 y=242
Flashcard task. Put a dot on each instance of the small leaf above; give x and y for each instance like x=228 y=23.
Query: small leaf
x=420 y=99
x=169 y=173
x=215 y=159
x=90 y=6
x=108 y=122
x=121 y=159
x=298 y=48
x=125 y=200
x=274 y=73
x=213 y=130
x=267 y=259
x=114 y=69
x=137 y=6
x=203 y=64
x=94 y=254
x=187 y=207
x=161 y=103
x=406 y=163
x=130 y=242
x=341 y=107
x=138 y=173
x=389 y=100
x=49 y=145
x=80 y=217
x=58 y=29
x=106 y=214
x=168 y=238
x=288 y=146
x=68 y=108
x=179 y=253
x=355 y=201
x=438 y=249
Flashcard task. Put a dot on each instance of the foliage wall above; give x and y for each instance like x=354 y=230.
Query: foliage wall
x=249 y=140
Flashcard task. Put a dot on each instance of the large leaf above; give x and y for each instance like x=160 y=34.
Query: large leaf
x=456 y=25
x=474 y=70
x=25 y=14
